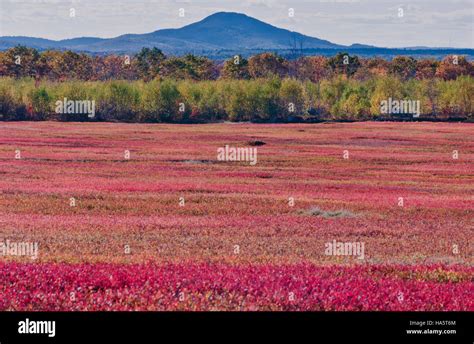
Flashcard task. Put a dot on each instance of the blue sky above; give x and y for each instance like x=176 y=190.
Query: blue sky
x=438 y=23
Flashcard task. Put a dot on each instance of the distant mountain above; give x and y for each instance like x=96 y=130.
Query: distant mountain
x=37 y=43
x=219 y=36
x=223 y=30
x=361 y=46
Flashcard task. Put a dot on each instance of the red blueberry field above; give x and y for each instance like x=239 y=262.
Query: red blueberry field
x=148 y=217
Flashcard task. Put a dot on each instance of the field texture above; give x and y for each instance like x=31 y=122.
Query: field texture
x=146 y=217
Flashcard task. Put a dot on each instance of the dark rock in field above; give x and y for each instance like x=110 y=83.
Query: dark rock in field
x=256 y=143
x=194 y=162
x=264 y=176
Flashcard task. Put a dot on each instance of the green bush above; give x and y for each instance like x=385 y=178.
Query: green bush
x=456 y=97
x=12 y=106
x=354 y=103
x=292 y=98
x=41 y=103
x=161 y=102
x=385 y=87
x=119 y=101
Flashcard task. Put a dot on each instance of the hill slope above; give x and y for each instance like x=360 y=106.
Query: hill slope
x=223 y=30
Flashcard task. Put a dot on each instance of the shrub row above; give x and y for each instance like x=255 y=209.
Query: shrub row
x=260 y=100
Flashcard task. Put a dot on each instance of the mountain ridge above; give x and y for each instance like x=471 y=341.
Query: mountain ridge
x=221 y=31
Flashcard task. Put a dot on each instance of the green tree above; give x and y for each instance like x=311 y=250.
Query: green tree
x=188 y=67
x=148 y=63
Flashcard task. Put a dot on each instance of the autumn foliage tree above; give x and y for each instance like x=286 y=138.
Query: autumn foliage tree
x=344 y=63
x=403 y=67
x=235 y=68
x=371 y=68
x=114 y=67
x=426 y=69
x=267 y=65
x=19 y=62
x=50 y=66
x=453 y=66
x=313 y=68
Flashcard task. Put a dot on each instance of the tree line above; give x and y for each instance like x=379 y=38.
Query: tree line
x=150 y=64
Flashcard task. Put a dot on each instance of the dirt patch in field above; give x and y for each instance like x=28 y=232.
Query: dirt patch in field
x=316 y=211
